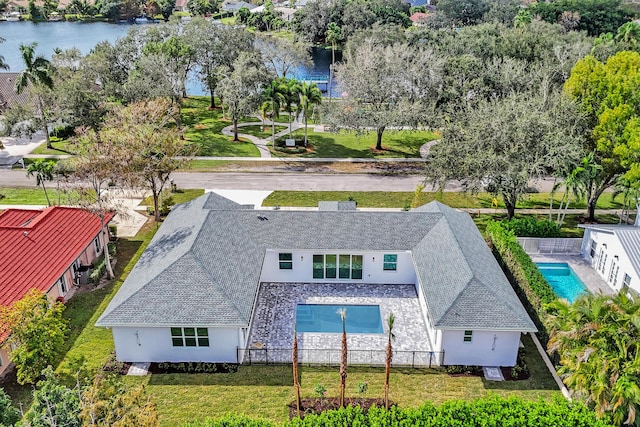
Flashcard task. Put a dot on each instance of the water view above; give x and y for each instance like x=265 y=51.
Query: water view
x=84 y=36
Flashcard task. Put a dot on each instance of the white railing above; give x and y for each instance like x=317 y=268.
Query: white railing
x=537 y=245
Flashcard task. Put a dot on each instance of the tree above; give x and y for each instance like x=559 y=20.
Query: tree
x=500 y=145
x=54 y=404
x=166 y=8
x=607 y=95
x=343 y=356
x=38 y=73
x=597 y=339
x=294 y=361
x=43 y=171
x=333 y=36
x=273 y=96
x=310 y=96
x=9 y=415
x=150 y=146
x=216 y=46
x=241 y=87
x=291 y=98
x=388 y=359
x=629 y=33
x=463 y=12
x=36 y=331
x=385 y=86
x=3 y=65
x=282 y=55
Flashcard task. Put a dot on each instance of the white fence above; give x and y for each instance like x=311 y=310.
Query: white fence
x=537 y=245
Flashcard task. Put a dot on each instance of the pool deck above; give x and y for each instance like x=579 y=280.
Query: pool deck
x=583 y=270
x=274 y=316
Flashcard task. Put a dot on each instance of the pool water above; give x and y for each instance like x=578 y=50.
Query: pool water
x=360 y=319
x=562 y=279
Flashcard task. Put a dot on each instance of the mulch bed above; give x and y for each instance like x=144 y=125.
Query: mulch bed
x=506 y=373
x=317 y=405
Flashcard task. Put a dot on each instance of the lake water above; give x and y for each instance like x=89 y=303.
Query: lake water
x=84 y=36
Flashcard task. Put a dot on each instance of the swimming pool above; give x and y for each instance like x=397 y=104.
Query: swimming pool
x=360 y=319
x=562 y=279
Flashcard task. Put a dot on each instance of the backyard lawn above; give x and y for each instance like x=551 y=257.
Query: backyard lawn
x=348 y=144
x=264 y=391
x=204 y=130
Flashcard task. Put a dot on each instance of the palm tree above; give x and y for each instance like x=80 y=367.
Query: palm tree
x=388 y=359
x=597 y=338
x=291 y=97
x=43 y=171
x=310 y=96
x=294 y=360
x=274 y=98
x=343 y=359
x=3 y=65
x=38 y=73
x=333 y=35
x=574 y=186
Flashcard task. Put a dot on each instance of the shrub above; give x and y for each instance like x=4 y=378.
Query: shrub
x=63 y=132
x=98 y=268
x=529 y=226
x=528 y=282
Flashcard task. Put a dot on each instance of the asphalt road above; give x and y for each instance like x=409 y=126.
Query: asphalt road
x=280 y=181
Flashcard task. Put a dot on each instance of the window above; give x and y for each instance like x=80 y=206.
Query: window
x=0 y=360
x=286 y=261
x=62 y=285
x=468 y=335
x=96 y=245
x=190 y=337
x=318 y=266
x=627 y=281
x=390 y=262
x=592 y=252
x=332 y=266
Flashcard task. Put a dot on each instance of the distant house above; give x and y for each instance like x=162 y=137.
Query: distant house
x=45 y=250
x=8 y=95
x=181 y=6
x=614 y=253
x=195 y=294
x=418 y=18
x=234 y=7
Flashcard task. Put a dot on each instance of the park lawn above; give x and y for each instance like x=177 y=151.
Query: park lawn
x=205 y=127
x=180 y=196
x=260 y=131
x=60 y=146
x=265 y=391
x=348 y=144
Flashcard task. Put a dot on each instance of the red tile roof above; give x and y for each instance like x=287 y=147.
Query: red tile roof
x=38 y=246
x=418 y=17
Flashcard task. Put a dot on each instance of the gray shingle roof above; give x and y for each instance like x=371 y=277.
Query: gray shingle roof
x=203 y=266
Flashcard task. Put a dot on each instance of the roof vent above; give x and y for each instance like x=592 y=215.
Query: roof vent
x=262 y=218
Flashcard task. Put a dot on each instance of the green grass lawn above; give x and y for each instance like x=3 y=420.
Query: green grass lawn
x=260 y=131
x=345 y=144
x=32 y=196
x=181 y=196
x=265 y=391
x=60 y=146
x=399 y=199
x=204 y=130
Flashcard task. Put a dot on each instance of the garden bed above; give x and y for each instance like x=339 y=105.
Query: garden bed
x=317 y=405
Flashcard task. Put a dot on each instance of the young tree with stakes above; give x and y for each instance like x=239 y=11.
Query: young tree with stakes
x=388 y=359
x=294 y=360
x=344 y=356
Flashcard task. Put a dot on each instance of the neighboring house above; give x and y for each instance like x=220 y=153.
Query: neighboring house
x=181 y=6
x=45 y=250
x=614 y=253
x=8 y=95
x=286 y=13
x=236 y=6
x=192 y=295
x=419 y=18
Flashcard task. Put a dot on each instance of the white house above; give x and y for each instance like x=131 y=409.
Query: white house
x=614 y=253
x=192 y=295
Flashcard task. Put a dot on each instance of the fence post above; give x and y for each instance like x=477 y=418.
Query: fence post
x=266 y=356
x=249 y=350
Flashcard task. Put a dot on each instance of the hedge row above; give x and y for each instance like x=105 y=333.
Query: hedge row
x=530 y=285
x=529 y=226
x=491 y=411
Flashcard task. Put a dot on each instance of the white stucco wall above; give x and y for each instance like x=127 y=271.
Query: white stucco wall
x=154 y=345
x=487 y=348
x=615 y=263
x=372 y=271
